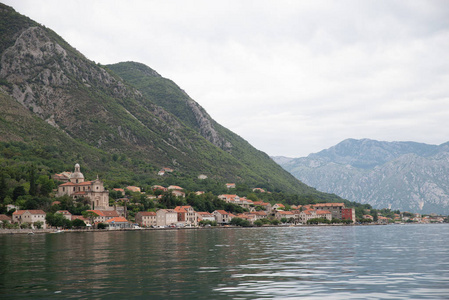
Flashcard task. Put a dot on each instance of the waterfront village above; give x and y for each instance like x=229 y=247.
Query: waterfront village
x=103 y=215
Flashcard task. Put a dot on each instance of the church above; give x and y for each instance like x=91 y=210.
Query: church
x=76 y=187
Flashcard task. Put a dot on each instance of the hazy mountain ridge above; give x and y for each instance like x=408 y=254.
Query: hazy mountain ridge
x=146 y=117
x=400 y=175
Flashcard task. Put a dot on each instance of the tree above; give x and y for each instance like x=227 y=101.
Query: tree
x=32 y=179
x=58 y=220
x=240 y=222
x=77 y=223
x=46 y=185
x=275 y=222
x=38 y=224
x=258 y=223
x=90 y=215
x=102 y=226
x=3 y=187
x=18 y=191
x=25 y=225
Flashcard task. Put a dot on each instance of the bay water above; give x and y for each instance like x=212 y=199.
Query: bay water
x=331 y=262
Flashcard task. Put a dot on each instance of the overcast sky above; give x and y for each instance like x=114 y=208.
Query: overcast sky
x=290 y=77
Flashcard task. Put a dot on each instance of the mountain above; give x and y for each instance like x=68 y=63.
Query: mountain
x=124 y=120
x=407 y=176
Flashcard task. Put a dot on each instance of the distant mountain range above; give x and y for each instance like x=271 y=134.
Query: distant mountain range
x=407 y=176
x=123 y=120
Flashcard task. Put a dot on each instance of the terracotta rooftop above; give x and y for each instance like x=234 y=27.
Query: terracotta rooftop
x=31 y=211
x=147 y=213
x=118 y=220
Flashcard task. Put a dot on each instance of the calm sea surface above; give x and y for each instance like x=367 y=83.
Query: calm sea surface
x=362 y=262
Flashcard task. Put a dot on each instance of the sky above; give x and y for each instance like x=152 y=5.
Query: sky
x=290 y=77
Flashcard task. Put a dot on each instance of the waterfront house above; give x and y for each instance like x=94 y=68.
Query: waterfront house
x=259 y=214
x=166 y=217
x=30 y=216
x=222 y=217
x=284 y=214
x=348 y=214
x=206 y=216
x=248 y=216
x=325 y=214
x=118 y=223
x=382 y=220
x=187 y=215
x=334 y=208
x=103 y=215
x=146 y=218
x=309 y=214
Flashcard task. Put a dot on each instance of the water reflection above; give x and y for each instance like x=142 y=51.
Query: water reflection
x=373 y=262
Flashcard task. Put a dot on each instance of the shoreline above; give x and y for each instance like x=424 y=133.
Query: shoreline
x=54 y=231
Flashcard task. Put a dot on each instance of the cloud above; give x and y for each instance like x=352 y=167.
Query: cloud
x=291 y=77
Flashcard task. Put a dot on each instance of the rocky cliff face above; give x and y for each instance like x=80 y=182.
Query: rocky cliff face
x=399 y=175
x=58 y=84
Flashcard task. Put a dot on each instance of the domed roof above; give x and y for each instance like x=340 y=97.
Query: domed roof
x=77 y=174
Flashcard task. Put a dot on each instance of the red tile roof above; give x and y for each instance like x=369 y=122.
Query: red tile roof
x=118 y=220
x=285 y=212
x=31 y=211
x=105 y=213
x=147 y=213
x=4 y=218
x=74 y=217
x=205 y=213
x=180 y=209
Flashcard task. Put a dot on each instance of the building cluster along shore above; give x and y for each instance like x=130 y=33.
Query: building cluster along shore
x=103 y=215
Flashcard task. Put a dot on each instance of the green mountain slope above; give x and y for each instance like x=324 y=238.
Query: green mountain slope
x=92 y=113
x=167 y=94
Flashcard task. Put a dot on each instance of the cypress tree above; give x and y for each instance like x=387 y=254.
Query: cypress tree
x=32 y=181
x=3 y=187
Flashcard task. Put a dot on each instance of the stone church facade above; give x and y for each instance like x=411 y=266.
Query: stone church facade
x=93 y=190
